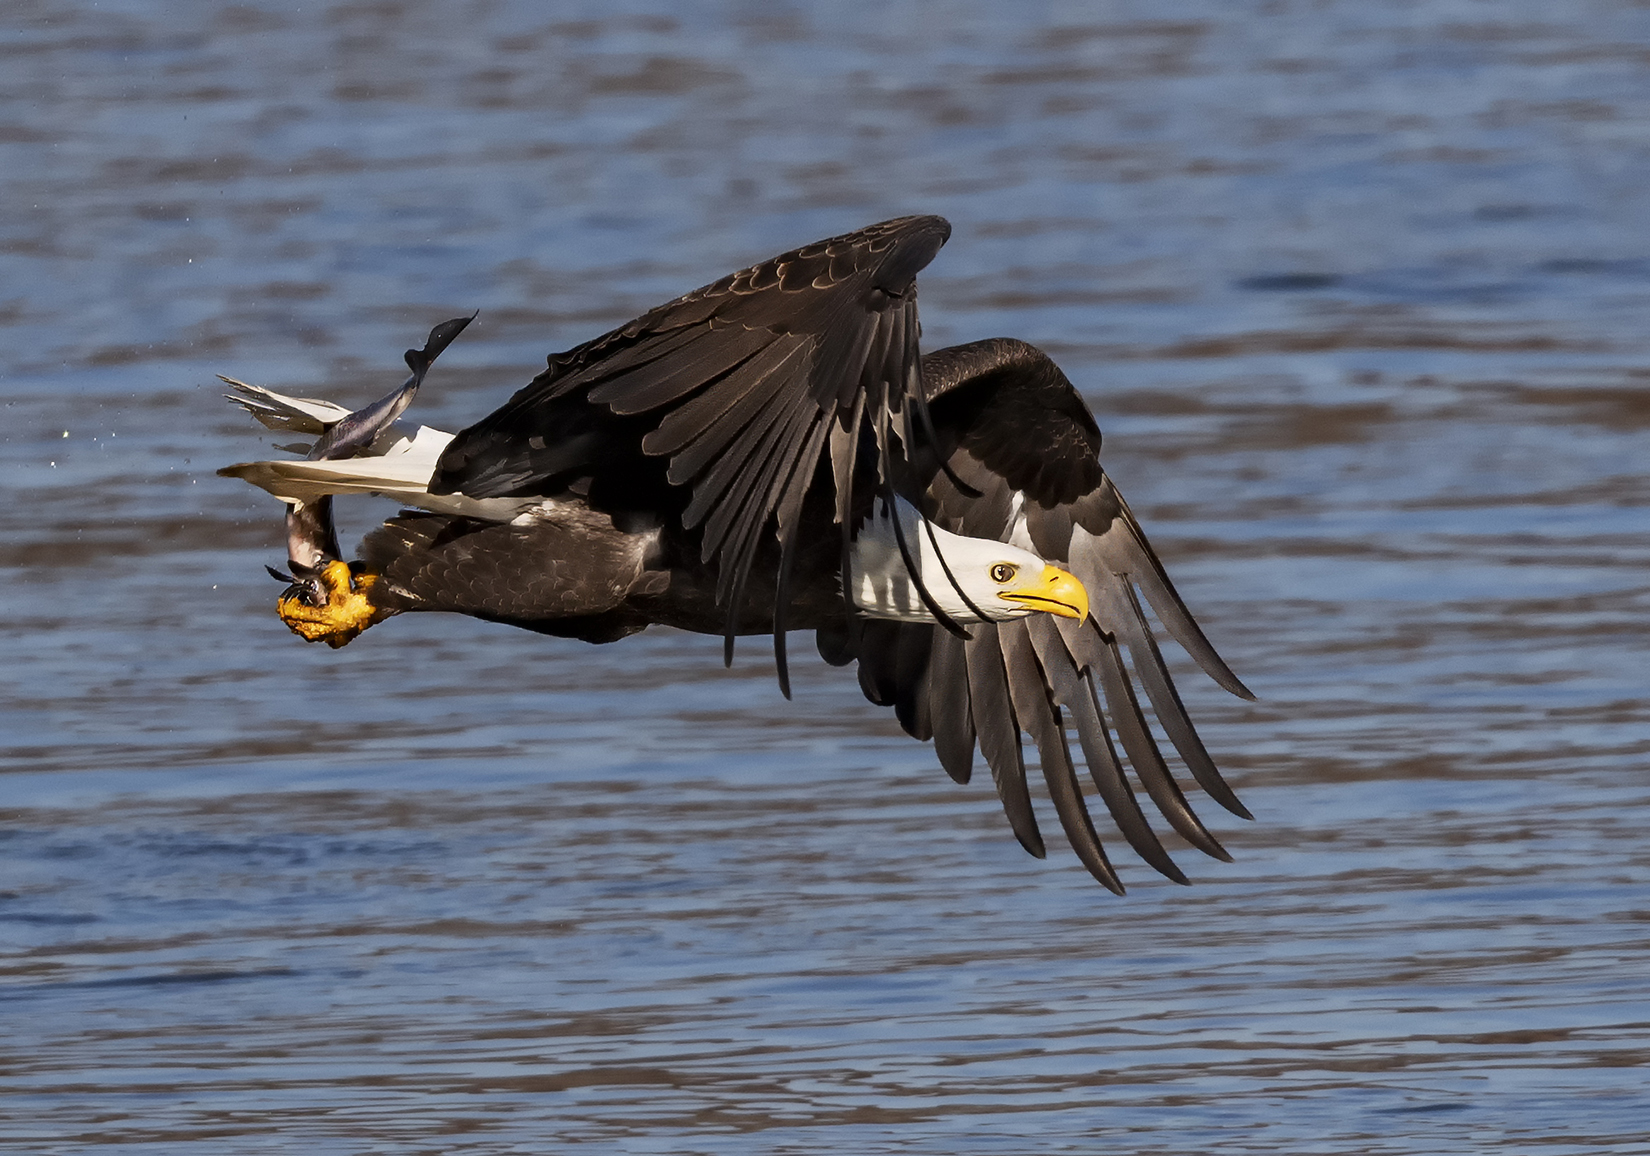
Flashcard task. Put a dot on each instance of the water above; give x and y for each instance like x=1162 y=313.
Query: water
x=1358 y=293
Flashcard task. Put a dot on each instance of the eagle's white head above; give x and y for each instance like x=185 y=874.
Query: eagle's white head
x=971 y=579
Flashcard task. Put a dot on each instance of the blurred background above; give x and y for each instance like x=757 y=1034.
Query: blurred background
x=1358 y=293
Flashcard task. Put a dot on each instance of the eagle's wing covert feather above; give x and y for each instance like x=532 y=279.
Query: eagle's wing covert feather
x=743 y=383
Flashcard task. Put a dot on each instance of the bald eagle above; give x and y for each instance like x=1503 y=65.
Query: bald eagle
x=772 y=453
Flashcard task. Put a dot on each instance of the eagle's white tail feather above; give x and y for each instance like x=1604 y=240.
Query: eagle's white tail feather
x=401 y=472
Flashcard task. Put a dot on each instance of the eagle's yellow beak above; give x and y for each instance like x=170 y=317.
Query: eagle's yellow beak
x=1056 y=591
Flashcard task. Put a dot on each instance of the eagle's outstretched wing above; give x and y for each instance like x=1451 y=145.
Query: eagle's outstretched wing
x=746 y=386
x=1024 y=448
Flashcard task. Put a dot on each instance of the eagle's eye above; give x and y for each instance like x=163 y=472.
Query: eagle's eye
x=1003 y=572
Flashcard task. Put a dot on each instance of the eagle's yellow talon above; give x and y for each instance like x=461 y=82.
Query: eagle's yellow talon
x=345 y=613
